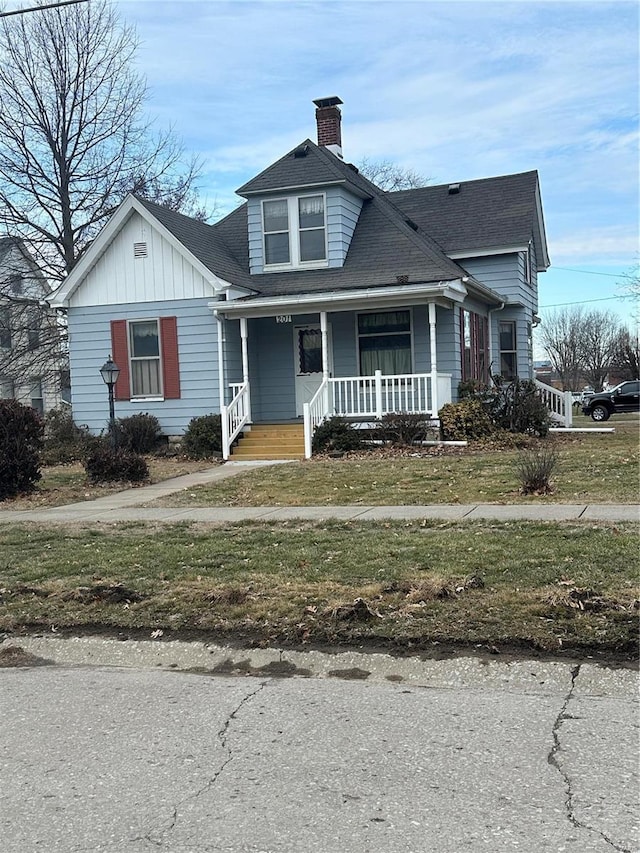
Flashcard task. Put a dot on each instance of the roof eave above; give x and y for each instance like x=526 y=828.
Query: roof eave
x=450 y=291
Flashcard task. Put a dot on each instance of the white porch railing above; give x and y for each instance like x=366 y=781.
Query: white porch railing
x=313 y=413
x=559 y=403
x=372 y=397
x=234 y=416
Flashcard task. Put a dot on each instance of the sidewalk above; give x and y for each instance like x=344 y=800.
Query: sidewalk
x=126 y=506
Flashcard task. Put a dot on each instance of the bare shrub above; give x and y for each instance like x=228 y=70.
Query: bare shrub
x=534 y=468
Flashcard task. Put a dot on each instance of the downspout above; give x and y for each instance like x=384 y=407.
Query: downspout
x=220 y=321
x=434 y=359
x=489 y=313
x=224 y=418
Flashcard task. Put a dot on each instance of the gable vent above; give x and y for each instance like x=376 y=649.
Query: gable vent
x=140 y=250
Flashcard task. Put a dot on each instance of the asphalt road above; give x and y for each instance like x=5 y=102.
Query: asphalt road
x=540 y=758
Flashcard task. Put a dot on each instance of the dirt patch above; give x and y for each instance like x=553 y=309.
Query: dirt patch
x=16 y=656
x=107 y=593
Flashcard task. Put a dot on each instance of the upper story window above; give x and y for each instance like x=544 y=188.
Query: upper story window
x=294 y=231
x=5 y=328
x=528 y=264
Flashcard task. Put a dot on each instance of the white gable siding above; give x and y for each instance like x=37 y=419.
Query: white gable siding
x=118 y=278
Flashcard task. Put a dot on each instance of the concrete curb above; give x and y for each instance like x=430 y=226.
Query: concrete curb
x=531 y=676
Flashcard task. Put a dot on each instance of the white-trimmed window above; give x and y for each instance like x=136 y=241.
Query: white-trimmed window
x=384 y=342
x=294 y=231
x=37 y=397
x=7 y=388
x=5 y=328
x=508 y=352
x=528 y=264
x=144 y=357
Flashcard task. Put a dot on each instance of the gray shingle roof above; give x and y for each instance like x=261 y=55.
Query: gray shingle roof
x=485 y=214
x=305 y=165
x=404 y=233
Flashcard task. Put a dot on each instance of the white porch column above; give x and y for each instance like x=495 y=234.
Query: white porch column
x=221 y=379
x=325 y=345
x=434 y=359
x=244 y=335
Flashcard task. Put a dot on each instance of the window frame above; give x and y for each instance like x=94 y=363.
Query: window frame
x=131 y=359
x=294 y=232
x=513 y=351
x=36 y=400
x=360 y=335
x=6 y=338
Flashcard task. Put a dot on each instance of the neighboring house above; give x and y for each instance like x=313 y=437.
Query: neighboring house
x=321 y=294
x=31 y=356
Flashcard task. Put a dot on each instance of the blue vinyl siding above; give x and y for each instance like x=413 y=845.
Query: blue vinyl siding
x=90 y=335
x=342 y=212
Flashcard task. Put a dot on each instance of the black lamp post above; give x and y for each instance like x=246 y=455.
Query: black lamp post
x=110 y=372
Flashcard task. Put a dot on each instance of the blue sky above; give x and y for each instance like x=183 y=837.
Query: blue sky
x=453 y=90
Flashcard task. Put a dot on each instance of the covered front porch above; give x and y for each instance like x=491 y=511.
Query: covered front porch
x=312 y=386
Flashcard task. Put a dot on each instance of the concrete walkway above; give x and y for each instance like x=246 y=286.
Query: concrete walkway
x=129 y=505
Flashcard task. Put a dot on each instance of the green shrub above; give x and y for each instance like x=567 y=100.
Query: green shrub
x=203 y=437
x=402 y=428
x=534 y=468
x=336 y=434
x=21 y=438
x=516 y=406
x=464 y=420
x=64 y=441
x=107 y=465
x=139 y=433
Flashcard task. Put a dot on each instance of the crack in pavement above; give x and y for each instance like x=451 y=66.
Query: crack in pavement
x=552 y=759
x=156 y=837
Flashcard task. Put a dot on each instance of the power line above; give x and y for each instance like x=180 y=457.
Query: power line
x=589 y=272
x=38 y=8
x=583 y=301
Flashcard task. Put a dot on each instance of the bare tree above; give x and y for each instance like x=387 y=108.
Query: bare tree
x=599 y=333
x=389 y=176
x=630 y=287
x=73 y=140
x=560 y=338
x=626 y=359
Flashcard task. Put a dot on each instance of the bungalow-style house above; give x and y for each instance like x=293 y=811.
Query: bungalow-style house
x=320 y=295
x=32 y=359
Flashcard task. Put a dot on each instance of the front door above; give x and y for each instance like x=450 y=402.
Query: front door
x=307 y=341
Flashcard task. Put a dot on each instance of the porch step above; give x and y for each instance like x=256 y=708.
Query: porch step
x=271 y=441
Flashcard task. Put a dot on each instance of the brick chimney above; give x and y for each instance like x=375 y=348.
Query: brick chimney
x=328 y=118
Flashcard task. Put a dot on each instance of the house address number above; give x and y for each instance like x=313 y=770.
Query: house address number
x=283 y=318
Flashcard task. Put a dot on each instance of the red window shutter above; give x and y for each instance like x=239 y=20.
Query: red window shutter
x=170 y=365
x=120 y=354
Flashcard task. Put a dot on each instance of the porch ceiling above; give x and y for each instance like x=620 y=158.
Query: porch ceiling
x=445 y=293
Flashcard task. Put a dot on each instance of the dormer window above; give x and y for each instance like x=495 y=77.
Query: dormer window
x=295 y=233
x=275 y=215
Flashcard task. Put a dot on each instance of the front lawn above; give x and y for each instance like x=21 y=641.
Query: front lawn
x=591 y=468
x=563 y=588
